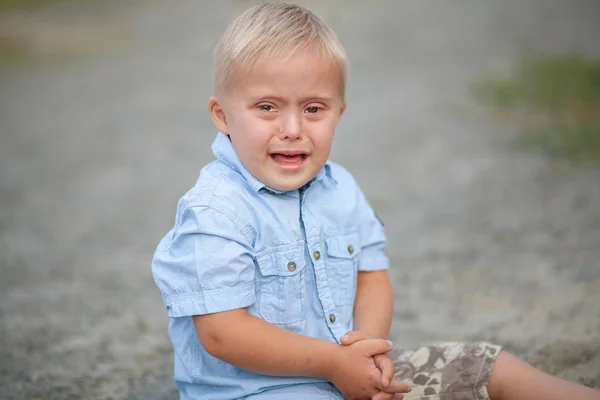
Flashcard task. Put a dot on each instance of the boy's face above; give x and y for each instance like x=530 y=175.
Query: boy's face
x=281 y=117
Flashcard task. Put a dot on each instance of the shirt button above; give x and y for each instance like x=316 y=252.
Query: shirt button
x=332 y=318
x=316 y=255
x=350 y=249
x=291 y=266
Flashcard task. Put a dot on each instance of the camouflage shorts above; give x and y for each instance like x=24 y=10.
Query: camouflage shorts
x=446 y=371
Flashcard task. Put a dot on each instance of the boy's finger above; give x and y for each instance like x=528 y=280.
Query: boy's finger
x=397 y=387
x=353 y=337
x=349 y=338
x=386 y=366
x=383 y=396
x=376 y=346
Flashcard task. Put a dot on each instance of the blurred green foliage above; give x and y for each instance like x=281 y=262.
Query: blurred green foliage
x=556 y=101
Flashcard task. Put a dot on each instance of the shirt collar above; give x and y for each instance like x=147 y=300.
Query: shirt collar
x=225 y=152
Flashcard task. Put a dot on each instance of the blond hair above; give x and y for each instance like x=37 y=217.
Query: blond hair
x=271 y=31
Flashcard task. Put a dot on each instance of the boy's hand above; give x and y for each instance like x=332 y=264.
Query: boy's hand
x=383 y=363
x=358 y=377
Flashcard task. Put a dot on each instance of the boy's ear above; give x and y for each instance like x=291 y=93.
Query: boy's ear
x=342 y=109
x=218 y=114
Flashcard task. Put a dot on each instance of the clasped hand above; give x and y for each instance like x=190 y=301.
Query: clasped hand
x=365 y=372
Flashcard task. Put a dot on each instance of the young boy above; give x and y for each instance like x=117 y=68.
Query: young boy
x=274 y=274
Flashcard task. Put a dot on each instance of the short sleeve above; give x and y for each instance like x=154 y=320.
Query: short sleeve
x=372 y=237
x=204 y=265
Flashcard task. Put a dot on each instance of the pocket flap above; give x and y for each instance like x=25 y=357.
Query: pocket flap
x=286 y=260
x=343 y=246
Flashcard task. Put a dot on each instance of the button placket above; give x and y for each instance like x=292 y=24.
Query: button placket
x=317 y=256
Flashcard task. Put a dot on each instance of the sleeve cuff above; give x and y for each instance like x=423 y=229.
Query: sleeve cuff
x=373 y=262
x=210 y=301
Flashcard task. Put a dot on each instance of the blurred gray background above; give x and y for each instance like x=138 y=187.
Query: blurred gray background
x=103 y=125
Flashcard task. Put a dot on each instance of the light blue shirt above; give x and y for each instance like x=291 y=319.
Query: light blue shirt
x=290 y=258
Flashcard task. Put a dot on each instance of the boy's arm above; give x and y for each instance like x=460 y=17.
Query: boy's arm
x=373 y=309
x=255 y=345
x=258 y=346
x=373 y=306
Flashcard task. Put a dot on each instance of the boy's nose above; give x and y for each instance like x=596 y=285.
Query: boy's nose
x=290 y=127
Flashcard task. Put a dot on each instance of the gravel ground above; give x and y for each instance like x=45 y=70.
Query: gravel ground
x=104 y=127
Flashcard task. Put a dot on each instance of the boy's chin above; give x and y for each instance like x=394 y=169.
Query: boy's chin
x=289 y=186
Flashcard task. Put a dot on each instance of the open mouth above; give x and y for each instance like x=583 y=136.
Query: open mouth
x=288 y=158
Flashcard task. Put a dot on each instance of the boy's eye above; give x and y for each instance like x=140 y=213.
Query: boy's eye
x=312 y=110
x=266 y=107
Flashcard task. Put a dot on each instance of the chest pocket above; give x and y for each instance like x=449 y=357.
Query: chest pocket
x=342 y=266
x=282 y=298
